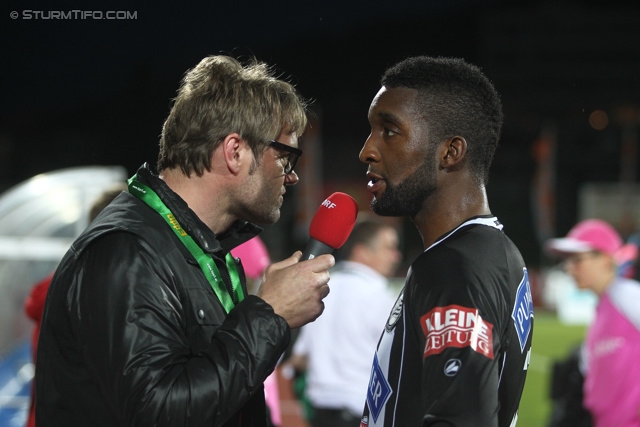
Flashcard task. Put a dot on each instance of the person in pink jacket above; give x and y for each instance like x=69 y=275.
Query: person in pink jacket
x=255 y=259
x=592 y=252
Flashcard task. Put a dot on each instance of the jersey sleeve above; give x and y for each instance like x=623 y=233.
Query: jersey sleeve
x=458 y=319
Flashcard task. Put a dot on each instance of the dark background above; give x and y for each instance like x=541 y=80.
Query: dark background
x=96 y=92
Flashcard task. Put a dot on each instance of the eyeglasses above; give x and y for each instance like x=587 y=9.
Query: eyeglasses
x=292 y=156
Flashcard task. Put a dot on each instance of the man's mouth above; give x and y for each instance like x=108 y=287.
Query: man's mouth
x=375 y=182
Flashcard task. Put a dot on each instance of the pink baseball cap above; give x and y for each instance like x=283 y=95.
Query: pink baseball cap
x=254 y=256
x=585 y=236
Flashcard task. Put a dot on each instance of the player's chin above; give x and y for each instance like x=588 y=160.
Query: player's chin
x=381 y=208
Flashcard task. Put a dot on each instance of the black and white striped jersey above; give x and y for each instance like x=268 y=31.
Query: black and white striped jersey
x=456 y=347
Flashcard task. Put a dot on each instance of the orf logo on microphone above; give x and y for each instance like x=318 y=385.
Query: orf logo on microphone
x=328 y=204
x=334 y=220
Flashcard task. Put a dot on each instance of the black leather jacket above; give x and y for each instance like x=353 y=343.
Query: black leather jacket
x=133 y=334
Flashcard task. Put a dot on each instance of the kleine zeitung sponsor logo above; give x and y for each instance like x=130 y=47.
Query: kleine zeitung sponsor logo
x=456 y=326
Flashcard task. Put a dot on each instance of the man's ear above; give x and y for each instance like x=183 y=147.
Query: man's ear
x=235 y=152
x=453 y=152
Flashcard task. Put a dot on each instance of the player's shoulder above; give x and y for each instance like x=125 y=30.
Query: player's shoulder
x=462 y=246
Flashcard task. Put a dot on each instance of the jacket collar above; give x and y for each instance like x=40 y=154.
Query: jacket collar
x=238 y=233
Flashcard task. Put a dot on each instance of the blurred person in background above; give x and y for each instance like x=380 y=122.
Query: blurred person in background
x=592 y=253
x=148 y=320
x=336 y=350
x=255 y=259
x=34 y=303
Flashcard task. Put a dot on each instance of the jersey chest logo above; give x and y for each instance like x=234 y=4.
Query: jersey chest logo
x=379 y=390
x=395 y=313
x=456 y=326
x=522 y=313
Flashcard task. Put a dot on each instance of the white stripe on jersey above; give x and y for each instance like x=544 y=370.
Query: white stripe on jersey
x=404 y=348
x=490 y=222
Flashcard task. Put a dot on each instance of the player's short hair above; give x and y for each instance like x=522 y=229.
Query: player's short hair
x=456 y=99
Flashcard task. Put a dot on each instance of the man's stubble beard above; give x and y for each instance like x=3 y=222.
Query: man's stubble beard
x=408 y=197
x=262 y=209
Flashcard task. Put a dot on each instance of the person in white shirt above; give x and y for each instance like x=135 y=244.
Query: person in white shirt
x=336 y=350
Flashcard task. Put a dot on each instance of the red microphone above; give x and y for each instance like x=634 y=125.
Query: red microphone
x=331 y=225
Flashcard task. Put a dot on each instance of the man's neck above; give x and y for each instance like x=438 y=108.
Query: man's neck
x=201 y=195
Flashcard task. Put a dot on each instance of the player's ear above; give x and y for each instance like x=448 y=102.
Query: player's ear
x=452 y=153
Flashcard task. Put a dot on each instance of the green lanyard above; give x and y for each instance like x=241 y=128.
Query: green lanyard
x=208 y=266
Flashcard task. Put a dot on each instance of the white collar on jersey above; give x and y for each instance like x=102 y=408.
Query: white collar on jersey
x=488 y=221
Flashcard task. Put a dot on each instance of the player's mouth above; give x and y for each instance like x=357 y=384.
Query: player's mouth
x=376 y=182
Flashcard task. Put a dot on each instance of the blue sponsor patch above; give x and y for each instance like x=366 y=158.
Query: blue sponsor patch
x=379 y=390
x=523 y=310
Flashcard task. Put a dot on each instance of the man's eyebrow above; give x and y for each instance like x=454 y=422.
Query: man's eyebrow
x=389 y=117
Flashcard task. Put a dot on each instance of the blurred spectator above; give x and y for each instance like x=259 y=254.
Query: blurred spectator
x=567 y=395
x=592 y=253
x=337 y=349
x=630 y=267
x=34 y=303
x=255 y=259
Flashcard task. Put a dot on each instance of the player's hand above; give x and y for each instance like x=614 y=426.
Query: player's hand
x=296 y=289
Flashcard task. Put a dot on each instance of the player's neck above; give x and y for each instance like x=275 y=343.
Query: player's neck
x=448 y=212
